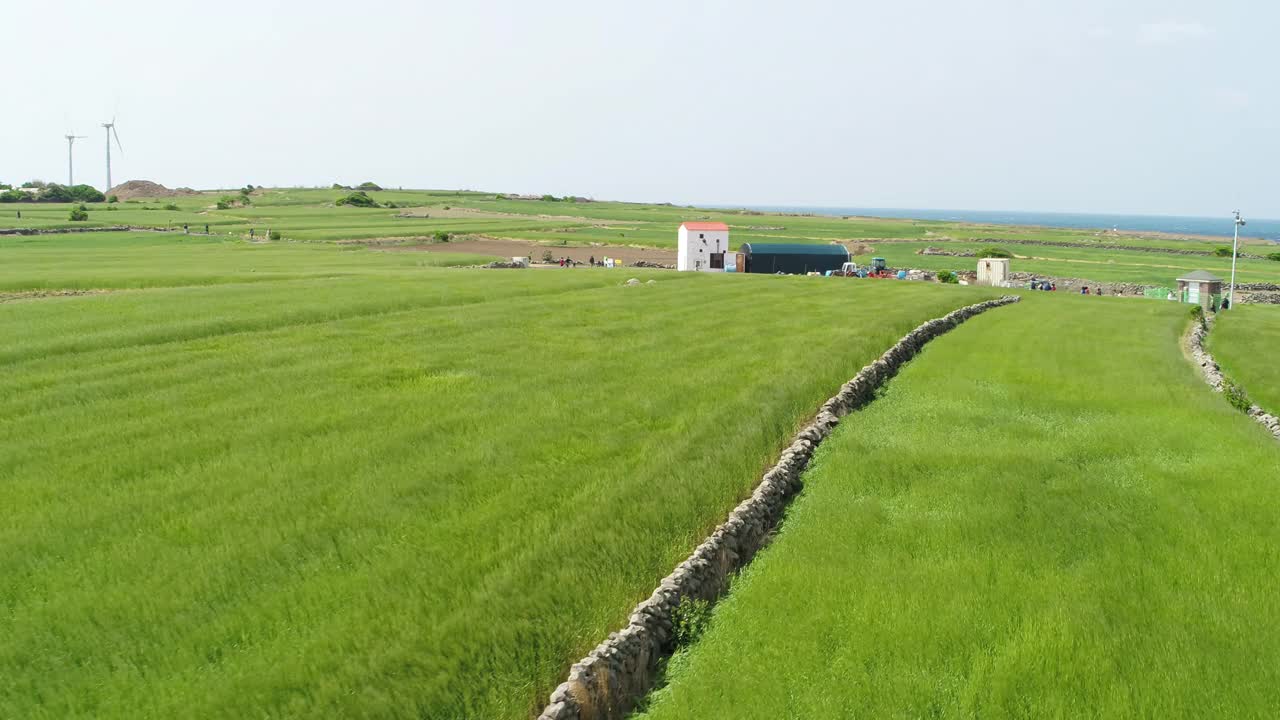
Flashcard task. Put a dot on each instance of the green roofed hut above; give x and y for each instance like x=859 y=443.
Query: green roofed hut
x=791 y=258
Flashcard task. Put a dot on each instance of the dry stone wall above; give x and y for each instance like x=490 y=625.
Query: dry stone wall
x=606 y=684
x=1213 y=375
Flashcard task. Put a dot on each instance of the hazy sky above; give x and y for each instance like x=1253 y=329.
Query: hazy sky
x=1141 y=106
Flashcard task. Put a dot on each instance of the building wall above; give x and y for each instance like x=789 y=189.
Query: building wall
x=993 y=271
x=695 y=247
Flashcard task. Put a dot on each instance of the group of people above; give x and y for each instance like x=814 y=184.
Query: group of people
x=1097 y=290
x=570 y=262
x=1043 y=285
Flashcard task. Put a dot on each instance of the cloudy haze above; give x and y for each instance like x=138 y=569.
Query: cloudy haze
x=1157 y=107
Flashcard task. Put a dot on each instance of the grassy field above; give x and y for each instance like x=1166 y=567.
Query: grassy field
x=1093 y=263
x=1244 y=341
x=1048 y=515
x=303 y=215
x=360 y=489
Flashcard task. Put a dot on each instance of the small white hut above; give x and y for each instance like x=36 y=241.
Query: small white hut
x=702 y=246
x=993 y=271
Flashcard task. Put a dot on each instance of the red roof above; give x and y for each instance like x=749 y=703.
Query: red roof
x=704 y=226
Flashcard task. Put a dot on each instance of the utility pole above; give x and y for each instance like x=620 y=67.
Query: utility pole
x=1235 y=243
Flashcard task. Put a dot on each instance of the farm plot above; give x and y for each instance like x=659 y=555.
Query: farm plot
x=383 y=495
x=1245 y=341
x=1048 y=515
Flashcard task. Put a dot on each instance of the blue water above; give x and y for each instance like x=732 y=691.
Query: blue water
x=1222 y=226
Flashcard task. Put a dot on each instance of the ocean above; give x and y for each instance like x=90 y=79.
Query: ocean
x=1220 y=226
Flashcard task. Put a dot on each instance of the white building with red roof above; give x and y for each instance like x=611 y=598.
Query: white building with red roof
x=702 y=246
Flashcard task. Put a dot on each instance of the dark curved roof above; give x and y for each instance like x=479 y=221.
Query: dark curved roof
x=793 y=249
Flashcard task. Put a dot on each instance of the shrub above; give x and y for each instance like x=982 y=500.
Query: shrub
x=78 y=214
x=55 y=193
x=547 y=257
x=1236 y=395
x=5 y=186
x=273 y=235
x=369 y=186
x=948 y=277
x=10 y=196
x=224 y=203
x=113 y=199
x=38 y=184
x=390 y=205
x=357 y=199
x=171 y=207
x=689 y=620
x=1222 y=252
x=550 y=198
x=442 y=236
x=1274 y=256
x=994 y=252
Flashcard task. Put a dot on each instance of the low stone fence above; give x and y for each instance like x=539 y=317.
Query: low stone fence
x=1213 y=375
x=606 y=684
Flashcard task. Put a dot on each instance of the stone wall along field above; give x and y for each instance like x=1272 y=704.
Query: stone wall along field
x=607 y=683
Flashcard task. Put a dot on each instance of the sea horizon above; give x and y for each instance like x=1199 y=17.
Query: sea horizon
x=1256 y=228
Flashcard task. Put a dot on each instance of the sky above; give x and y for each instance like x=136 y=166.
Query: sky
x=1162 y=107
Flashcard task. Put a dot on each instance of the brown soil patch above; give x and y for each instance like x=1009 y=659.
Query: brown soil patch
x=38 y=294
x=508 y=249
x=146 y=189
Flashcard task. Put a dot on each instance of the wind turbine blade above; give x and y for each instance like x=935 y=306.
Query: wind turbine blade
x=117 y=136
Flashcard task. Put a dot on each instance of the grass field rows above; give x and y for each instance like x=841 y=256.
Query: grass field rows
x=310 y=478
x=1013 y=534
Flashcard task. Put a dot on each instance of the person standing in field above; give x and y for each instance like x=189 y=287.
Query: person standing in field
x=592 y=261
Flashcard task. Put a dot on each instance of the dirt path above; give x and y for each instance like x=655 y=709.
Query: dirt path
x=526 y=248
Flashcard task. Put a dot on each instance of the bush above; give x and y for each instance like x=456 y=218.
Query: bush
x=369 y=186
x=78 y=214
x=547 y=257
x=1274 y=256
x=994 y=252
x=947 y=277
x=442 y=236
x=113 y=199
x=1222 y=252
x=689 y=620
x=550 y=198
x=273 y=235
x=357 y=199
x=37 y=184
x=11 y=196
x=390 y=205
x=171 y=207
x=1236 y=395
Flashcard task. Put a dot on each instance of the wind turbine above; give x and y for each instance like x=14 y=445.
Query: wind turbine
x=71 y=139
x=111 y=130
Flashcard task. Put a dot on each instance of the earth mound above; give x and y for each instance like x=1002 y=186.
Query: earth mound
x=146 y=189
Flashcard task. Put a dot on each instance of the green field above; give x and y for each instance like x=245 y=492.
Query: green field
x=1245 y=342
x=382 y=492
x=1048 y=515
x=310 y=478
x=310 y=216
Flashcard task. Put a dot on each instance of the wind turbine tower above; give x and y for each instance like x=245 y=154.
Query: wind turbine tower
x=111 y=130
x=70 y=174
